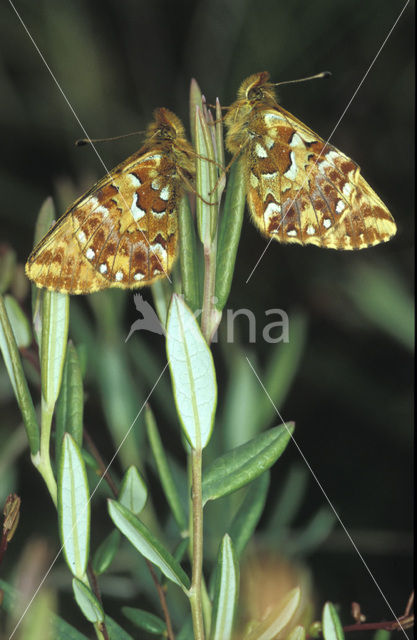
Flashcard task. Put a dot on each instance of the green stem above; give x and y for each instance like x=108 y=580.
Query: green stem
x=42 y=460
x=197 y=538
x=207 y=319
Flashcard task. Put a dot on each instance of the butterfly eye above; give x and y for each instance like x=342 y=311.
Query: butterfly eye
x=255 y=93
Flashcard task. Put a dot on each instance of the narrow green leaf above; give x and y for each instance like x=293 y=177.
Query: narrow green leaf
x=192 y=372
x=115 y=631
x=278 y=619
x=291 y=495
x=44 y=220
x=18 y=321
x=14 y=368
x=332 y=627
x=74 y=507
x=206 y=178
x=87 y=601
x=55 y=316
x=144 y=620
x=133 y=492
x=245 y=521
x=195 y=101
x=243 y=464
x=229 y=233
x=226 y=591
x=65 y=631
x=70 y=404
x=188 y=255
x=147 y=544
x=105 y=553
x=165 y=475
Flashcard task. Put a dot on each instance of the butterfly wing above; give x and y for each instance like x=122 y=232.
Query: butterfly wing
x=305 y=191
x=122 y=233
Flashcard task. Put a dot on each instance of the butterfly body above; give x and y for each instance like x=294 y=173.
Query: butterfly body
x=300 y=189
x=123 y=232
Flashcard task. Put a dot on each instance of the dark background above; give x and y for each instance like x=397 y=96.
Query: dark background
x=116 y=62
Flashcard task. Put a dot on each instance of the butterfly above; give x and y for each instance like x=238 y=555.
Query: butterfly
x=300 y=189
x=124 y=231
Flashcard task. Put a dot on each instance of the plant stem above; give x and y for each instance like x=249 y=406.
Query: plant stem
x=42 y=459
x=197 y=537
x=210 y=316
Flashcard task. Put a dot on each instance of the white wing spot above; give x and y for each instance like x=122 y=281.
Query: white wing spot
x=292 y=232
x=164 y=195
x=331 y=156
x=136 y=211
x=271 y=118
x=270 y=176
x=347 y=189
x=98 y=208
x=327 y=223
x=156 y=272
x=253 y=181
x=134 y=180
x=118 y=276
x=155 y=184
x=90 y=253
x=103 y=268
x=310 y=230
x=260 y=151
x=158 y=214
x=269 y=142
x=155 y=156
x=138 y=276
x=160 y=251
x=340 y=206
x=270 y=212
x=296 y=141
x=291 y=173
x=81 y=237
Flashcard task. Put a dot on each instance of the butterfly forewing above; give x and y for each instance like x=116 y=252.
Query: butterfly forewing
x=123 y=233
x=300 y=189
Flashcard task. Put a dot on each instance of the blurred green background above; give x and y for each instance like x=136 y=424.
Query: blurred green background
x=351 y=393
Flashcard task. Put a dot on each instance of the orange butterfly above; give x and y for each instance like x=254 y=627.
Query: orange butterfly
x=124 y=231
x=299 y=188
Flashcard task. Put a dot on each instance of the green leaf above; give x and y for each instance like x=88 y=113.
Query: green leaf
x=14 y=368
x=70 y=404
x=188 y=255
x=278 y=619
x=105 y=553
x=192 y=372
x=18 y=321
x=144 y=620
x=115 y=631
x=64 y=631
x=133 y=492
x=248 y=515
x=147 y=544
x=243 y=464
x=44 y=220
x=87 y=601
x=55 y=316
x=229 y=232
x=226 y=591
x=74 y=507
x=332 y=627
x=165 y=475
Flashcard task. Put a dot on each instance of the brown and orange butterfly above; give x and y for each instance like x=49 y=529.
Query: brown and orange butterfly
x=123 y=232
x=299 y=188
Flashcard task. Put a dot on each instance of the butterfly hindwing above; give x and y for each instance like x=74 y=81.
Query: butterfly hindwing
x=300 y=189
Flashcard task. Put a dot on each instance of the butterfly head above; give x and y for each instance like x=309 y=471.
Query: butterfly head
x=256 y=89
x=166 y=126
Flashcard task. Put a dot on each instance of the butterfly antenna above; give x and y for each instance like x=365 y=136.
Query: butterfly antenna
x=84 y=141
x=317 y=76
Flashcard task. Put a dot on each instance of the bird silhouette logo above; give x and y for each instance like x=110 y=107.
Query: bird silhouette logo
x=149 y=321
